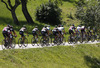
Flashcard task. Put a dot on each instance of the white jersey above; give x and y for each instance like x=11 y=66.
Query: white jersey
x=78 y=28
x=48 y=28
x=5 y=29
x=44 y=29
x=35 y=29
x=83 y=27
x=23 y=29
x=60 y=28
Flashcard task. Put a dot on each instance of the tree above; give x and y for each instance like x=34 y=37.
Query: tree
x=12 y=9
x=89 y=14
x=25 y=11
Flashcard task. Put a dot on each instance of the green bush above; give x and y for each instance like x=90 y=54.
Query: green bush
x=49 y=13
x=89 y=14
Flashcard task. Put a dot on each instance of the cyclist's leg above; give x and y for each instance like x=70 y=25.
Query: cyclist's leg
x=22 y=35
x=4 y=35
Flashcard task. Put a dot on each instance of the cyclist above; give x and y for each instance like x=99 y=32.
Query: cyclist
x=61 y=30
x=83 y=31
x=45 y=32
x=78 y=29
x=56 y=32
x=5 y=32
x=71 y=30
x=34 y=31
x=89 y=32
x=11 y=31
x=21 y=32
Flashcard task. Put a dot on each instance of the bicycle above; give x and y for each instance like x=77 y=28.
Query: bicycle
x=71 y=39
x=45 y=42
x=78 y=37
x=22 y=43
x=9 y=44
x=34 y=41
x=98 y=38
x=84 y=38
x=94 y=37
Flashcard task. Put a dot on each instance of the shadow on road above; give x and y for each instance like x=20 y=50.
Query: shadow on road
x=92 y=62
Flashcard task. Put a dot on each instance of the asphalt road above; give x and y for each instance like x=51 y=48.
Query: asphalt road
x=30 y=45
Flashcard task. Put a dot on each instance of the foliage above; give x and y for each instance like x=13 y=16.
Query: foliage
x=49 y=13
x=89 y=14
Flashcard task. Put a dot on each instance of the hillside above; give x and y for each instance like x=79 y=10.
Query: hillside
x=6 y=18
x=79 y=56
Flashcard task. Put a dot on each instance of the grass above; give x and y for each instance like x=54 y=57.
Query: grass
x=6 y=18
x=80 y=56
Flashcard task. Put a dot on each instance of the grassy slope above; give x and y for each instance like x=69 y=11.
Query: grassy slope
x=81 y=56
x=6 y=18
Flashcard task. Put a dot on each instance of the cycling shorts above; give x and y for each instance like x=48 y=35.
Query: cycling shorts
x=82 y=30
x=21 y=33
x=44 y=33
x=55 y=33
x=71 y=32
x=34 y=33
x=5 y=34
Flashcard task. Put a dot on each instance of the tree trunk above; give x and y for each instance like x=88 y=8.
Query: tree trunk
x=25 y=11
x=14 y=17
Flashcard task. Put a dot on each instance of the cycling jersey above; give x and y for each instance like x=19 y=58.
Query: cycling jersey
x=71 y=31
x=5 y=29
x=78 y=29
x=55 y=31
x=71 y=28
x=23 y=29
x=5 y=32
x=60 y=28
x=35 y=29
x=48 y=28
x=44 y=29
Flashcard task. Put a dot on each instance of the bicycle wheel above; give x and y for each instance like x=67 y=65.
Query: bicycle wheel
x=93 y=38
x=64 y=40
x=26 y=42
x=53 y=41
x=42 y=42
x=98 y=38
x=48 y=40
x=33 y=41
x=20 y=42
x=13 y=43
x=69 y=40
x=59 y=41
